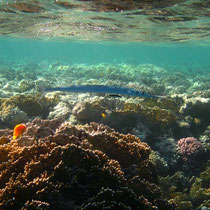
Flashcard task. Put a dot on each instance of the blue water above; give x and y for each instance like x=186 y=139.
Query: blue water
x=178 y=55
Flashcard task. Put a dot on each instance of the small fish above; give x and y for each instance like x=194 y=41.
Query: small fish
x=19 y=130
x=103 y=115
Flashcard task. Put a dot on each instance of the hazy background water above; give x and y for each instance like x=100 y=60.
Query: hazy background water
x=173 y=34
x=182 y=56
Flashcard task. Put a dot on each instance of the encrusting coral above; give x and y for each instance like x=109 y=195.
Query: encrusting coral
x=56 y=165
x=19 y=108
x=124 y=115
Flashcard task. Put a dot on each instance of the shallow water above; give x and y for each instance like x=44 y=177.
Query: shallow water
x=190 y=55
x=158 y=47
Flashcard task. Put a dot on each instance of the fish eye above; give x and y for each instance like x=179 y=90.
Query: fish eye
x=142 y=93
x=137 y=92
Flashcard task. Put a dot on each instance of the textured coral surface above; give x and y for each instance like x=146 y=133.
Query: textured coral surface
x=59 y=166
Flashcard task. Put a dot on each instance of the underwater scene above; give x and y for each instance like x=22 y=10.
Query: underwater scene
x=105 y=104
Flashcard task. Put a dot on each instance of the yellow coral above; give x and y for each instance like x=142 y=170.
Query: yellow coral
x=33 y=105
x=153 y=114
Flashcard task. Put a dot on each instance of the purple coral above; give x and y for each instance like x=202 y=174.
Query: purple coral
x=189 y=148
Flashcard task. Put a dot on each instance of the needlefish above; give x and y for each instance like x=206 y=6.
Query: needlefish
x=114 y=90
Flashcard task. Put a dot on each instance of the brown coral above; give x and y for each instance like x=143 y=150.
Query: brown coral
x=66 y=167
x=46 y=171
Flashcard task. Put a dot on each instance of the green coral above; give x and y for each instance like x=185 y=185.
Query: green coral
x=205 y=176
x=152 y=114
x=180 y=203
x=197 y=193
x=167 y=103
x=25 y=85
x=124 y=115
x=32 y=105
x=200 y=191
x=170 y=185
x=187 y=193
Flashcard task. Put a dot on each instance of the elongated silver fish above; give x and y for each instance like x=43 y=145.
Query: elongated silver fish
x=102 y=89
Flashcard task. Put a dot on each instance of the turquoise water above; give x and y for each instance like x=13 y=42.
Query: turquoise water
x=178 y=55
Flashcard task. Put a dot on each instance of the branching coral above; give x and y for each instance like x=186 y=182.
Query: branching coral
x=127 y=149
x=192 y=154
x=68 y=167
x=189 y=148
x=46 y=171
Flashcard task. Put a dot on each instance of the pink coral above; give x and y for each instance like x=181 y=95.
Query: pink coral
x=189 y=148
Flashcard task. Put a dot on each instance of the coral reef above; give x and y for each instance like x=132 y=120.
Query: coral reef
x=187 y=193
x=61 y=110
x=192 y=154
x=160 y=163
x=11 y=116
x=26 y=85
x=121 y=198
x=197 y=108
x=57 y=165
x=124 y=115
x=149 y=78
x=20 y=108
x=26 y=7
x=87 y=111
x=190 y=149
x=63 y=163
